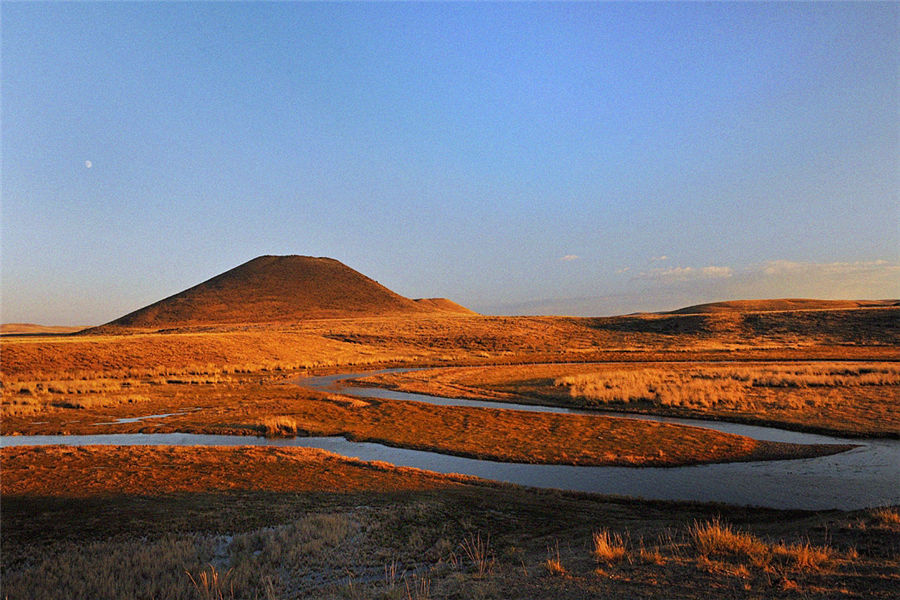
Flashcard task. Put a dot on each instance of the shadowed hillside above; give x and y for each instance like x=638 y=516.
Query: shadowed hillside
x=273 y=289
x=877 y=325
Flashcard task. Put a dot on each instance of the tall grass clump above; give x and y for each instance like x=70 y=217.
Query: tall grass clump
x=554 y=562
x=887 y=516
x=804 y=556
x=714 y=538
x=478 y=551
x=608 y=547
x=279 y=427
x=420 y=590
x=210 y=585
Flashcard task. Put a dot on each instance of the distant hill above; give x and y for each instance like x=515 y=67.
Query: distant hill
x=279 y=289
x=34 y=329
x=443 y=305
x=780 y=304
x=746 y=322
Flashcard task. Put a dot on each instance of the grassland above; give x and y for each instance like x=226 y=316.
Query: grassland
x=241 y=407
x=291 y=523
x=276 y=523
x=846 y=398
x=453 y=340
x=70 y=384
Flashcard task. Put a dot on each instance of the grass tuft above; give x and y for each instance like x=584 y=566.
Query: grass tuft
x=608 y=547
x=805 y=556
x=479 y=553
x=420 y=590
x=719 y=540
x=714 y=538
x=210 y=585
x=279 y=427
x=554 y=563
x=887 y=516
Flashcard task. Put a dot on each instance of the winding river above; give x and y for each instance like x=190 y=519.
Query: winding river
x=866 y=476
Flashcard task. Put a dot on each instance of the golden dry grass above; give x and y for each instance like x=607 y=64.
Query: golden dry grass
x=714 y=538
x=41 y=376
x=72 y=471
x=887 y=516
x=177 y=355
x=35 y=329
x=279 y=427
x=306 y=524
x=512 y=436
x=844 y=397
x=554 y=563
x=434 y=339
x=122 y=522
x=711 y=386
x=607 y=547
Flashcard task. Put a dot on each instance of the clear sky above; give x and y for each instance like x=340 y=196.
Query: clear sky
x=584 y=158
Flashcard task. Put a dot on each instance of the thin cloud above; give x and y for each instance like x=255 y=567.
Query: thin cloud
x=713 y=272
x=787 y=267
x=675 y=287
x=873 y=279
x=570 y=257
x=673 y=274
x=659 y=258
x=804 y=277
x=859 y=280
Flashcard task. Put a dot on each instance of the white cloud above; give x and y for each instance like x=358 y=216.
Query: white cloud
x=659 y=258
x=570 y=257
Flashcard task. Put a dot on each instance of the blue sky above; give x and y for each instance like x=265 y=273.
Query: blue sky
x=583 y=158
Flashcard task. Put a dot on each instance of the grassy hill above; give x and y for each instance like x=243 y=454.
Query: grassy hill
x=278 y=289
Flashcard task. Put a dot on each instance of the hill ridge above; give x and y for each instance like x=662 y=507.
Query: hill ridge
x=779 y=304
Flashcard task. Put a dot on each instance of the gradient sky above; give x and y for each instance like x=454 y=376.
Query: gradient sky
x=584 y=158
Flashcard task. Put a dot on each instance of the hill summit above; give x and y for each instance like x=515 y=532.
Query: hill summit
x=278 y=289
